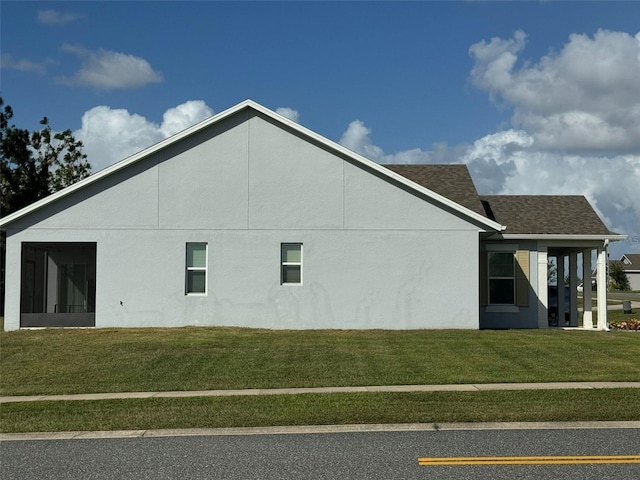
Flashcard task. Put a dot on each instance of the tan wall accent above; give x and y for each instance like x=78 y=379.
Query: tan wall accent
x=522 y=278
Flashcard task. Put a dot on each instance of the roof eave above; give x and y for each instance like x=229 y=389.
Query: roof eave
x=613 y=237
x=490 y=224
x=122 y=163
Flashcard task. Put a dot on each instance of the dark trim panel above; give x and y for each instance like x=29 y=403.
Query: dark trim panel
x=57 y=320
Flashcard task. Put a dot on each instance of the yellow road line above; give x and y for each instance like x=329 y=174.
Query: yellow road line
x=540 y=460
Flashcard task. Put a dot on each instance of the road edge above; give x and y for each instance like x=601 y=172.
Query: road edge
x=315 y=429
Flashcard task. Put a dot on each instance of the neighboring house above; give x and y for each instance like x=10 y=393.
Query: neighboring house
x=249 y=219
x=630 y=263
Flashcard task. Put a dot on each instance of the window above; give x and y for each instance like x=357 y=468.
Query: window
x=501 y=278
x=291 y=264
x=196 y=275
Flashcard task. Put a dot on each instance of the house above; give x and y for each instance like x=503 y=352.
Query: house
x=630 y=264
x=249 y=219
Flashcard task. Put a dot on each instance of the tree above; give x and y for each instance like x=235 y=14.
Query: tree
x=619 y=280
x=567 y=279
x=552 y=271
x=35 y=165
x=32 y=166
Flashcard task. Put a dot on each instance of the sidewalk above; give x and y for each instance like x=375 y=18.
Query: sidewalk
x=635 y=306
x=476 y=387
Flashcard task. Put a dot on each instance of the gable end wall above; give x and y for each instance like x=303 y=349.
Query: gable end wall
x=376 y=255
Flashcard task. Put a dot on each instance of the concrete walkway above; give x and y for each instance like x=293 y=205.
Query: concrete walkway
x=635 y=306
x=477 y=387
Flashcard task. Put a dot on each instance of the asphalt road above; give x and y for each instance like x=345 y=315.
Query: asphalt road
x=361 y=455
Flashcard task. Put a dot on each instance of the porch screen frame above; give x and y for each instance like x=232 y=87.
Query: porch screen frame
x=40 y=301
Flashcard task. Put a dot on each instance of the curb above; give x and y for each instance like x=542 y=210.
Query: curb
x=316 y=429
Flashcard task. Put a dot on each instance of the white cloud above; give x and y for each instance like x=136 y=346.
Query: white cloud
x=576 y=123
x=183 y=116
x=110 y=135
x=584 y=98
x=107 y=70
x=357 y=137
x=289 y=113
x=23 y=65
x=576 y=126
x=53 y=17
x=507 y=162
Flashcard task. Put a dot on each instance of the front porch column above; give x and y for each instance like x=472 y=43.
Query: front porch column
x=573 y=289
x=543 y=290
x=587 y=306
x=601 y=275
x=560 y=283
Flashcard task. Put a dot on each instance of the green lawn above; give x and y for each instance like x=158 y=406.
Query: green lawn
x=322 y=409
x=617 y=315
x=110 y=360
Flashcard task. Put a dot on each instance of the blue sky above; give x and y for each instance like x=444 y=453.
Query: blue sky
x=536 y=97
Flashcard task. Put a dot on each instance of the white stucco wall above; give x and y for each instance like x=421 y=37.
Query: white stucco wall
x=634 y=280
x=375 y=254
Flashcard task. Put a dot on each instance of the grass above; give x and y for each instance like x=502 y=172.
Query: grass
x=322 y=409
x=617 y=315
x=109 y=360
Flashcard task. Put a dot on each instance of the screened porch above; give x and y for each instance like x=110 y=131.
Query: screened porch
x=58 y=285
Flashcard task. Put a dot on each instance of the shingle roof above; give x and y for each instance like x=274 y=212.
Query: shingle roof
x=544 y=214
x=522 y=214
x=452 y=181
x=634 y=258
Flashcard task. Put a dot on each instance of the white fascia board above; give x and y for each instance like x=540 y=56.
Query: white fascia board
x=527 y=236
x=494 y=226
x=121 y=164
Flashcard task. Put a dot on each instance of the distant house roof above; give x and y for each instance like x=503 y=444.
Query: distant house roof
x=545 y=215
x=630 y=261
x=451 y=181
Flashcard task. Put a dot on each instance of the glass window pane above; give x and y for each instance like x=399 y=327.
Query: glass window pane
x=197 y=255
x=501 y=291
x=196 y=281
x=501 y=264
x=291 y=274
x=291 y=252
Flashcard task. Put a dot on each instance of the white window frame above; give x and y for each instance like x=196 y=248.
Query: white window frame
x=490 y=277
x=284 y=264
x=196 y=269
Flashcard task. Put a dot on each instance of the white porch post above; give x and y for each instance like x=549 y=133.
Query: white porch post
x=560 y=283
x=543 y=291
x=587 y=306
x=602 y=288
x=573 y=289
